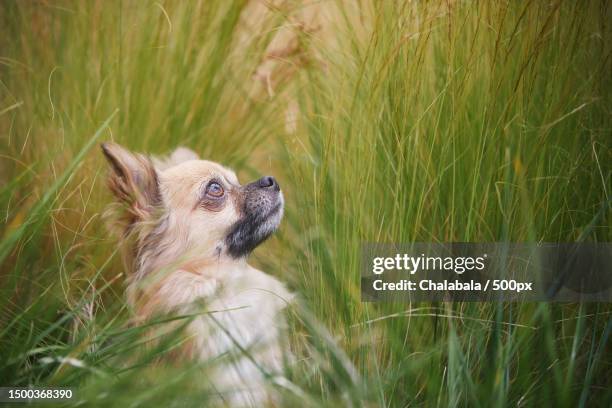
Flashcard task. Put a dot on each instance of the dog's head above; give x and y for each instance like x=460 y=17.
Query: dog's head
x=192 y=205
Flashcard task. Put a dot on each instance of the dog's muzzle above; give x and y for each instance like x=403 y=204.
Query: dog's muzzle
x=262 y=211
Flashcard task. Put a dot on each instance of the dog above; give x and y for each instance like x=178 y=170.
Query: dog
x=187 y=226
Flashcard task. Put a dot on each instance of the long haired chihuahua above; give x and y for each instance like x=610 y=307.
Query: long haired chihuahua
x=186 y=227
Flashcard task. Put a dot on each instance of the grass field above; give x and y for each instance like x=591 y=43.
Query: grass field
x=385 y=121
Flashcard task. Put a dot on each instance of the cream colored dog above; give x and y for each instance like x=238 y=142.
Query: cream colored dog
x=187 y=226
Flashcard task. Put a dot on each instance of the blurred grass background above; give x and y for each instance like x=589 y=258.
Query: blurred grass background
x=384 y=121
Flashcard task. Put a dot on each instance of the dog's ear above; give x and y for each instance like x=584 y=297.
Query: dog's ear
x=133 y=180
x=178 y=156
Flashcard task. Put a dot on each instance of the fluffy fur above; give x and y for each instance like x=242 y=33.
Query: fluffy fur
x=187 y=226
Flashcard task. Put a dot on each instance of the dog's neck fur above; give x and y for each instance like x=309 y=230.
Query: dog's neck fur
x=161 y=261
x=156 y=249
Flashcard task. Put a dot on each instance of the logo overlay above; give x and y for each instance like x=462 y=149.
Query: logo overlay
x=485 y=272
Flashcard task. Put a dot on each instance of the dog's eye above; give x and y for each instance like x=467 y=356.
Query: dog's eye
x=214 y=189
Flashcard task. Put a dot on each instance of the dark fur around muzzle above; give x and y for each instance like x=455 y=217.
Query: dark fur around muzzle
x=262 y=211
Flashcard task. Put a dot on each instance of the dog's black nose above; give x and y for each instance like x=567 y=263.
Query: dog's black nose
x=268 y=182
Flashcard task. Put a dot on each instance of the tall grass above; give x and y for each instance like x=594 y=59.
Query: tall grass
x=434 y=121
